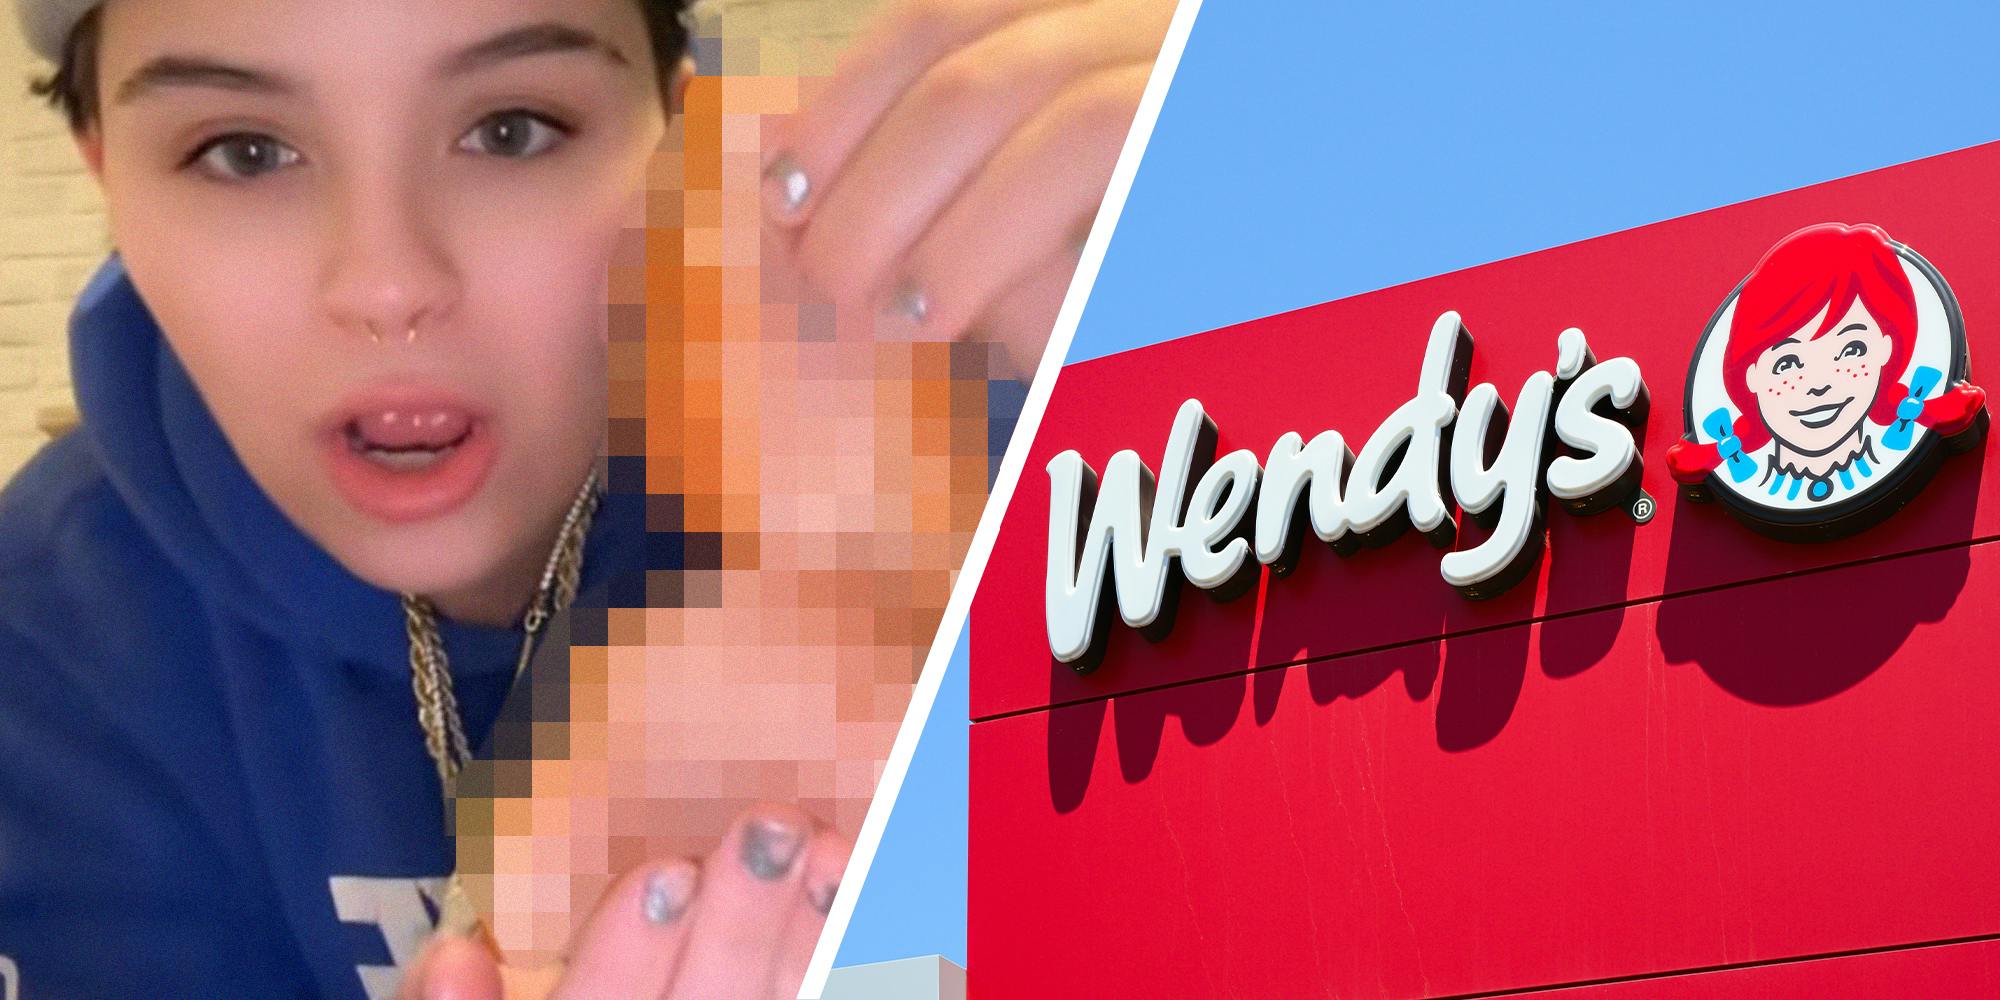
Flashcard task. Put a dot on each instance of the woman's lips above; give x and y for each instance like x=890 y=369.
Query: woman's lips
x=408 y=454
x=1820 y=416
x=403 y=430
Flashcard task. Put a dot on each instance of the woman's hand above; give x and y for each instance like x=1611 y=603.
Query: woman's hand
x=741 y=923
x=949 y=171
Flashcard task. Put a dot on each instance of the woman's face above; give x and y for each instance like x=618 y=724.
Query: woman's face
x=1813 y=394
x=377 y=233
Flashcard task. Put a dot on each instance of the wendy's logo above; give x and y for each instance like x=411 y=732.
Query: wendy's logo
x=1827 y=387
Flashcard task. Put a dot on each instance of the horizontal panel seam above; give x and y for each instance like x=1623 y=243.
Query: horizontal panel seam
x=1497 y=627
x=1732 y=967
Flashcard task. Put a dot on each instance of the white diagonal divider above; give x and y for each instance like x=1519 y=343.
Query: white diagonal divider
x=935 y=662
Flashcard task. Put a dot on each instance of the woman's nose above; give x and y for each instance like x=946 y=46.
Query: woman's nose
x=1821 y=391
x=388 y=268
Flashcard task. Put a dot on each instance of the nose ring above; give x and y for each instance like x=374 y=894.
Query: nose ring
x=375 y=335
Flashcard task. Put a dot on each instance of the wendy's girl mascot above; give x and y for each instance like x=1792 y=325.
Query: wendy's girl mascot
x=1824 y=382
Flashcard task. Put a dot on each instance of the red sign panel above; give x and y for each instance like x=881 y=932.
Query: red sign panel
x=1677 y=745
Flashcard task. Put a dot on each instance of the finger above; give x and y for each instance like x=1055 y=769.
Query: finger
x=453 y=968
x=891 y=54
x=636 y=936
x=826 y=860
x=530 y=984
x=1032 y=203
x=751 y=886
x=1025 y=316
x=942 y=131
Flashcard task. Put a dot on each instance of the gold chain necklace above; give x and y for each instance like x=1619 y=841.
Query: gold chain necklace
x=430 y=673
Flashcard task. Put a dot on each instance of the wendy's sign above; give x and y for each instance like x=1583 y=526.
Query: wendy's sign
x=1821 y=397
x=1827 y=386
x=1214 y=520
x=1671 y=734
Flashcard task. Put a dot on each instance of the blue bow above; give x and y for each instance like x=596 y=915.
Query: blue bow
x=1728 y=446
x=1922 y=381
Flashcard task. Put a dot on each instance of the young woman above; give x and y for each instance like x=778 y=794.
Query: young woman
x=343 y=386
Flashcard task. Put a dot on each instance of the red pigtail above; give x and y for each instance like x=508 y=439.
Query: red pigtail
x=1690 y=462
x=1952 y=411
x=1948 y=413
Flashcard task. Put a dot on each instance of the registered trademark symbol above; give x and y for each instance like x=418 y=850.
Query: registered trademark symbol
x=1643 y=507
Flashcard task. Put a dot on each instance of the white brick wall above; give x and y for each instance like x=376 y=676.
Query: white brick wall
x=52 y=235
x=52 y=228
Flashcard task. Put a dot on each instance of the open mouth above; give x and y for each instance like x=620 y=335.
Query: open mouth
x=408 y=441
x=409 y=453
x=1821 y=416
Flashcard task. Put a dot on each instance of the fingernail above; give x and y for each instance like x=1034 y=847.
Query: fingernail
x=903 y=315
x=668 y=893
x=770 y=847
x=821 y=898
x=785 y=186
x=911 y=303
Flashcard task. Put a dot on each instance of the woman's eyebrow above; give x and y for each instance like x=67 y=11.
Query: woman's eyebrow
x=197 y=71
x=1863 y=327
x=529 y=40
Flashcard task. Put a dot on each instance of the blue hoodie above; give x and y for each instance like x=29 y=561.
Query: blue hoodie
x=212 y=779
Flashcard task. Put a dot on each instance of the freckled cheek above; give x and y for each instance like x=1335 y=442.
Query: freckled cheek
x=1774 y=398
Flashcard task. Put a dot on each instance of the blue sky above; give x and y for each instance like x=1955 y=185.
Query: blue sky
x=1311 y=150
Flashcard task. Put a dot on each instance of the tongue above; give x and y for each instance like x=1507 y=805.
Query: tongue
x=410 y=429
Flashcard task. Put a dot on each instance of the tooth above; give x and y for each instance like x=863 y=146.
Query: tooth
x=407 y=461
x=400 y=460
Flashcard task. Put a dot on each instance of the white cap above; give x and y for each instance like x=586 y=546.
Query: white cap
x=47 y=23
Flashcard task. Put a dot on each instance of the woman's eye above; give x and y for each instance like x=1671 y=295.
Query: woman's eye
x=518 y=134
x=1786 y=363
x=242 y=156
x=1854 y=349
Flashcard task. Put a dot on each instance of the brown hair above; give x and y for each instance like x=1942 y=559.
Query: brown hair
x=72 y=88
